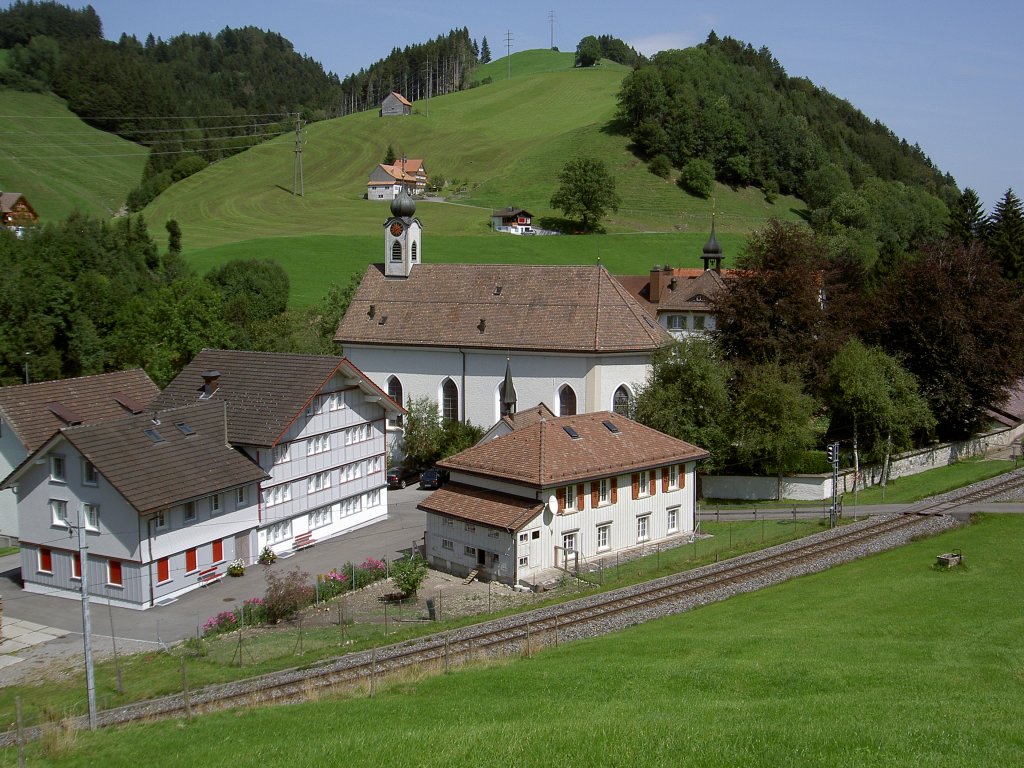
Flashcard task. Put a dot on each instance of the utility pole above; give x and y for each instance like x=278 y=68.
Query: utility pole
x=833 y=457
x=508 y=52
x=83 y=560
x=297 y=168
x=551 y=19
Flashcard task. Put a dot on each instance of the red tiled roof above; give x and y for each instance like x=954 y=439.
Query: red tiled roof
x=545 y=454
x=36 y=411
x=543 y=308
x=529 y=417
x=401 y=98
x=689 y=282
x=476 y=505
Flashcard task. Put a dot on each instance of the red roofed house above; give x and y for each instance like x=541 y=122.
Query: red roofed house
x=559 y=493
x=680 y=298
x=386 y=181
x=30 y=414
x=395 y=104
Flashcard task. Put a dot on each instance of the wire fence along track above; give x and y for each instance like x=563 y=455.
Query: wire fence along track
x=527 y=632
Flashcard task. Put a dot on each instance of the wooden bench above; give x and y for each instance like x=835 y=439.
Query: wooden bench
x=209 y=576
x=302 y=541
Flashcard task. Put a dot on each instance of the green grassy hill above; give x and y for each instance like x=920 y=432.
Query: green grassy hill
x=58 y=162
x=886 y=661
x=503 y=142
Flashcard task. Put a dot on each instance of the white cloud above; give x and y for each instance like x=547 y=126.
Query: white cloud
x=663 y=41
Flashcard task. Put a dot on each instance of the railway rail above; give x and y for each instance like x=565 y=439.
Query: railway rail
x=588 y=616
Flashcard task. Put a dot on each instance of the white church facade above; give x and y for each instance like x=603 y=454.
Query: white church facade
x=572 y=337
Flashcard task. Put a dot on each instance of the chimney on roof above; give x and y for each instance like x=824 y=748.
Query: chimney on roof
x=482 y=325
x=656 y=287
x=211 y=383
x=372 y=312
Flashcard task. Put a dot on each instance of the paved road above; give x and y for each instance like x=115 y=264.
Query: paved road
x=387 y=539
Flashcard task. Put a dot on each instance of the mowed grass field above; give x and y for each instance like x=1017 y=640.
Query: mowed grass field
x=503 y=144
x=886 y=661
x=61 y=164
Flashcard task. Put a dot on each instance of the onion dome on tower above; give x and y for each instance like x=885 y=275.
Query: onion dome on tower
x=712 y=256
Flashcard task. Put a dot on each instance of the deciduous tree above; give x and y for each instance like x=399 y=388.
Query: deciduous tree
x=586 y=192
x=588 y=52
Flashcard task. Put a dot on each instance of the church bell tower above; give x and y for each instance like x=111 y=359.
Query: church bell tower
x=402 y=236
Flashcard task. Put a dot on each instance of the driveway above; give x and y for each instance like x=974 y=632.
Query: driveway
x=167 y=624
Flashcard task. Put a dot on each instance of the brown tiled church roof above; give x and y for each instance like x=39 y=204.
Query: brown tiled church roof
x=511 y=307
x=547 y=454
x=36 y=411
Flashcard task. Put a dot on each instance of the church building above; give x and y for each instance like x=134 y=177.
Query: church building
x=571 y=337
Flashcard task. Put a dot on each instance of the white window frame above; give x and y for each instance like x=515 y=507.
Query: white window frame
x=240 y=496
x=524 y=538
x=59 y=512
x=524 y=561
x=282 y=453
x=673 y=477
x=279 y=532
x=160 y=521
x=677 y=322
x=604 y=537
x=90 y=510
x=643 y=528
x=320 y=517
x=643 y=486
x=58 y=468
x=604 y=491
x=39 y=560
x=672 y=519
x=216 y=506
x=573 y=538
x=570 y=498
x=318 y=481
x=447 y=544
x=90 y=475
x=372 y=498
x=189 y=508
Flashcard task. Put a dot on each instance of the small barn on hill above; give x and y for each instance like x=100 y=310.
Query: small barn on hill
x=395 y=104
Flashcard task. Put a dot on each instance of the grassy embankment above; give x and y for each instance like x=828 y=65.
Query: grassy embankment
x=61 y=164
x=503 y=143
x=886 y=661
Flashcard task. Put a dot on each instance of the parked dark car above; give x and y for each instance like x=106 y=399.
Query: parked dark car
x=433 y=478
x=399 y=477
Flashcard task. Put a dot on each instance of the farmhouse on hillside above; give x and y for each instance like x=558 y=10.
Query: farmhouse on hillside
x=680 y=298
x=386 y=181
x=314 y=423
x=30 y=414
x=395 y=104
x=16 y=213
x=572 y=335
x=515 y=221
x=559 y=493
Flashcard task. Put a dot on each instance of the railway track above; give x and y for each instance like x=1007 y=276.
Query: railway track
x=528 y=632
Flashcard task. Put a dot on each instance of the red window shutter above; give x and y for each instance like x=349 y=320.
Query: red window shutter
x=595 y=497
x=615 y=489
x=163 y=571
x=76 y=565
x=561 y=500
x=664 y=479
x=190 y=560
x=579 y=497
x=636 y=485
x=114 y=572
x=218 y=551
x=45 y=560
x=652 y=482
x=682 y=475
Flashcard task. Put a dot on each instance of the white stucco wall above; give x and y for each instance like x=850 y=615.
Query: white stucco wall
x=12 y=453
x=537 y=377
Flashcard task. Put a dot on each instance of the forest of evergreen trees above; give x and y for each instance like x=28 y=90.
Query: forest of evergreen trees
x=434 y=68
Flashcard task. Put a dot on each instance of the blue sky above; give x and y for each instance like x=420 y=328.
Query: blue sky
x=946 y=75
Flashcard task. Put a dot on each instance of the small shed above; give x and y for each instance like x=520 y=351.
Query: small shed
x=395 y=104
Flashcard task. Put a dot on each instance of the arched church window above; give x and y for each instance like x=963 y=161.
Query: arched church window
x=414 y=251
x=566 y=401
x=620 y=401
x=396 y=251
x=449 y=400
x=396 y=393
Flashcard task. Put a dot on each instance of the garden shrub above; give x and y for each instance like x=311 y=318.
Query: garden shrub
x=287 y=594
